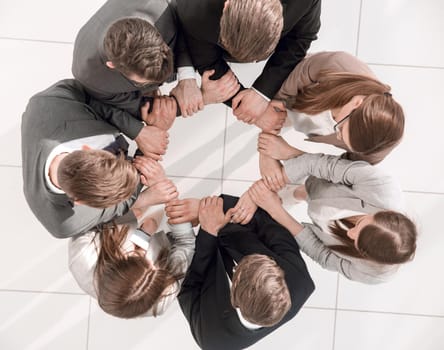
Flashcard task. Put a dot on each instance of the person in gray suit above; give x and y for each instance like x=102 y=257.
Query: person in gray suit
x=124 y=53
x=70 y=183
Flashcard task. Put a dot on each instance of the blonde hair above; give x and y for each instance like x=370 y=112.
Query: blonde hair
x=97 y=178
x=251 y=29
x=260 y=291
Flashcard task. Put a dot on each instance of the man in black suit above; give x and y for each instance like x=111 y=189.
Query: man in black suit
x=124 y=53
x=270 y=284
x=245 y=31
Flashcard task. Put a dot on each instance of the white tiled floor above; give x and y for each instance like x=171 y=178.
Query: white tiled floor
x=42 y=308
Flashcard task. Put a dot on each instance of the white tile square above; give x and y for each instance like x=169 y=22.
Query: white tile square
x=45 y=20
x=197 y=144
x=241 y=161
x=168 y=331
x=27 y=68
x=402 y=32
x=417 y=161
x=309 y=329
x=369 y=331
x=418 y=286
x=339 y=26
x=196 y=188
x=41 y=321
x=30 y=258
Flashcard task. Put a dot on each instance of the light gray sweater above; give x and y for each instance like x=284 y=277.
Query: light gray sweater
x=338 y=188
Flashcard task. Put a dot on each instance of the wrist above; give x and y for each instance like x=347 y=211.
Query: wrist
x=210 y=229
x=294 y=152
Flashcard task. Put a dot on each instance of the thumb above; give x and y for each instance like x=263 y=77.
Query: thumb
x=207 y=74
x=229 y=214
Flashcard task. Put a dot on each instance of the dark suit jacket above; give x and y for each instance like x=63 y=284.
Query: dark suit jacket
x=109 y=85
x=54 y=116
x=200 y=22
x=205 y=294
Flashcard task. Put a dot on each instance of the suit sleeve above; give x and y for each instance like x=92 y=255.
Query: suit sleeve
x=207 y=56
x=121 y=112
x=181 y=53
x=85 y=218
x=311 y=245
x=290 y=50
x=190 y=294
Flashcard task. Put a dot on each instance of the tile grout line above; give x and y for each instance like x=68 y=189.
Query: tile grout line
x=404 y=65
x=9 y=166
x=38 y=40
x=359 y=29
x=223 y=152
x=88 y=323
x=40 y=292
x=392 y=313
x=336 y=313
x=373 y=312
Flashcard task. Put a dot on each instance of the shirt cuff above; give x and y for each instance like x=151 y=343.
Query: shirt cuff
x=185 y=73
x=261 y=94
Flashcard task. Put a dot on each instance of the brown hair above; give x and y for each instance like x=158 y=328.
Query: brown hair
x=250 y=29
x=97 y=178
x=391 y=239
x=376 y=126
x=259 y=290
x=127 y=284
x=133 y=45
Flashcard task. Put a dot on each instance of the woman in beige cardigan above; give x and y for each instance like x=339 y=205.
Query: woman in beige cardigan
x=330 y=92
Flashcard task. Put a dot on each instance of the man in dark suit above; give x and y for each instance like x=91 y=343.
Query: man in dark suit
x=71 y=181
x=125 y=52
x=229 y=310
x=245 y=31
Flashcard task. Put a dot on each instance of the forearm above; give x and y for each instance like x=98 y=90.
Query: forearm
x=121 y=119
x=280 y=215
x=182 y=249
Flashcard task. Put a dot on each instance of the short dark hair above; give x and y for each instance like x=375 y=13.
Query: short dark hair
x=251 y=29
x=260 y=291
x=135 y=46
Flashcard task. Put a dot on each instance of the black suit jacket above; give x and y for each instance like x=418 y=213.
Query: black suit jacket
x=60 y=114
x=109 y=85
x=200 y=22
x=205 y=294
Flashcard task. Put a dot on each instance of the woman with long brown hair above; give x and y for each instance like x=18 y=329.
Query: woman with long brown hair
x=358 y=228
x=328 y=90
x=132 y=272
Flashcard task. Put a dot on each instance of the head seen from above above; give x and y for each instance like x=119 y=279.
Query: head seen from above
x=127 y=284
x=136 y=49
x=97 y=178
x=260 y=291
x=386 y=237
x=251 y=29
x=369 y=120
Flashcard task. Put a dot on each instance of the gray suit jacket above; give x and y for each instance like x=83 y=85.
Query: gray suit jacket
x=54 y=116
x=109 y=85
